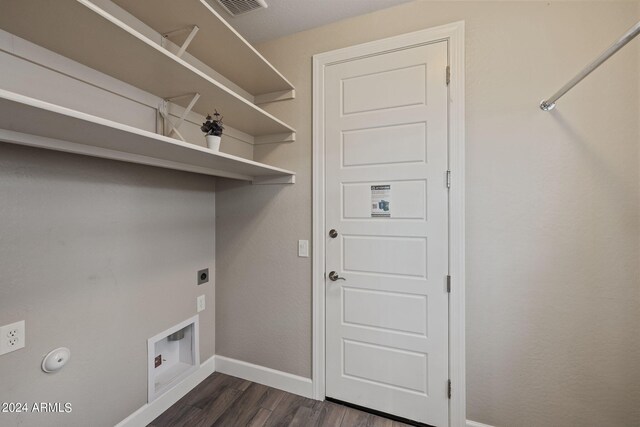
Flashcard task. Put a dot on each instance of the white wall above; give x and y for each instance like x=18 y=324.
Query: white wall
x=95 y=255
x=553 y=214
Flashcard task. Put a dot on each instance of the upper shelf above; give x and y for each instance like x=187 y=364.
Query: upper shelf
x=87 y=33
x=31 y=122
x=216 y=44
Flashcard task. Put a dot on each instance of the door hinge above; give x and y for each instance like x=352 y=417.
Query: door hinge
x=448 y=75
x=449 y=390
x=448 y=284
x=448 y=179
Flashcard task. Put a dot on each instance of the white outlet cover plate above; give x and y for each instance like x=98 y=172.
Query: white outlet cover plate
x=12 y=337
x=201 y=303
x=303 y=248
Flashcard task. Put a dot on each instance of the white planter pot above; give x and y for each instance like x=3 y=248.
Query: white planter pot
x=213 y=142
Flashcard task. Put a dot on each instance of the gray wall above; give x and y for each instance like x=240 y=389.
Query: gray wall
x=553 y=224
x=95 y=255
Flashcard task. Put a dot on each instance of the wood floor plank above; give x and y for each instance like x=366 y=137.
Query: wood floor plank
x=211 y=381
x=243 y=385
x=284 y=413
x=329 y=414
x=245 y=408
x=178 y=415
x=354 y=418
x=303 y=417
x=272 y=397
x=209 y=390
x=376 y=421
x=218 y=407
x=260 y=418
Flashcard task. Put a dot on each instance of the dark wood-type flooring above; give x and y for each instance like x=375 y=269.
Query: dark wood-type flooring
x=222 y=400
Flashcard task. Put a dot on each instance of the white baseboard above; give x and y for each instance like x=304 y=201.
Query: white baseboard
x=476 y=424
x=267 y=376
x=149 y=412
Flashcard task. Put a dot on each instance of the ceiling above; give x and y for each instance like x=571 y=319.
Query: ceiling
x=284 y=17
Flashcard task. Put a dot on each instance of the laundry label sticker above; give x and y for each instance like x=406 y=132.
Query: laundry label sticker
x=381 y=201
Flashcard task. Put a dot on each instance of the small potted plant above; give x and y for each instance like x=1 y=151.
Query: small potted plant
x=212 y=129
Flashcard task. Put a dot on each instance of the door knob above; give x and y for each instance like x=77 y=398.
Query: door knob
x=333 y=233
x=333 y=276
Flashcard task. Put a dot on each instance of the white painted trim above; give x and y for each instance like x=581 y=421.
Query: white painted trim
x=457 y=298
x=476 y=424
x=317 y=233
x=454 y=34
x=266 y=376
x=150 y=411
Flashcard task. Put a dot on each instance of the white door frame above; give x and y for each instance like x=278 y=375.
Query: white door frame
x=454 y=34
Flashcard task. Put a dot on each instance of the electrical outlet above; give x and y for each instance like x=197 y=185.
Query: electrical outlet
x=203 y=276
x=12 y=337
x=200 y=303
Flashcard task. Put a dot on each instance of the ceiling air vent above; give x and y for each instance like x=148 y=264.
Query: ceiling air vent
x=240 y=7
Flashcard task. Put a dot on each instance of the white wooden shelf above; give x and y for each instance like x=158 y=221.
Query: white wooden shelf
x=31 y=122
x=216 y=43
x=87 y=33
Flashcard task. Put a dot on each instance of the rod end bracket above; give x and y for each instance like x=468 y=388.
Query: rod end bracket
x=546 y=106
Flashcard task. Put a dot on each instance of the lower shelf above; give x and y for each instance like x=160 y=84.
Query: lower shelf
x=35 y=123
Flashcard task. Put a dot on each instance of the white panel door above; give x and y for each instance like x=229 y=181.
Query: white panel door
x=386 y=196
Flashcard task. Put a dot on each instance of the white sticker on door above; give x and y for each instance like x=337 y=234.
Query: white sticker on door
x=381 y=201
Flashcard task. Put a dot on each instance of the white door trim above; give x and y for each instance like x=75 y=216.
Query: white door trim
x=454 y=34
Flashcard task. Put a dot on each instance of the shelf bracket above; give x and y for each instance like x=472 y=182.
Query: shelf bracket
x=164 y=112
x=192 y=33
x=275 y=138
x=274 y=96
x=267 y=179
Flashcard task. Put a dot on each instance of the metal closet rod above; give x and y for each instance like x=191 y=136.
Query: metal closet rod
x=550 y=103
